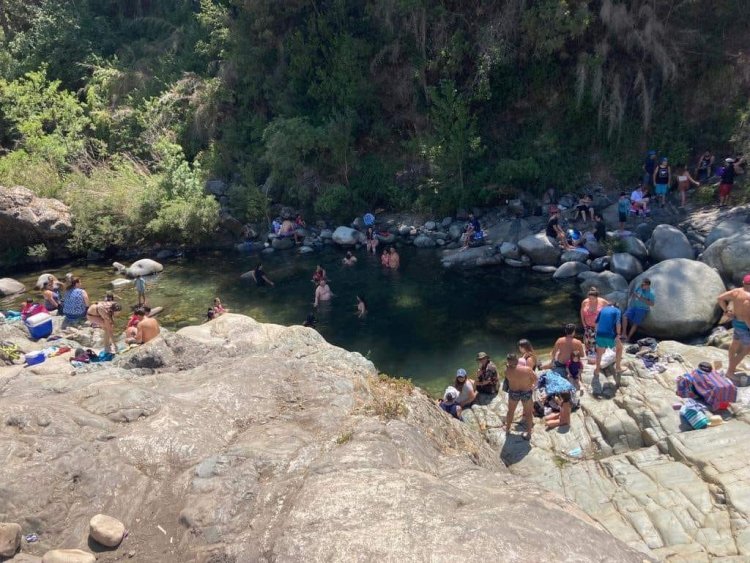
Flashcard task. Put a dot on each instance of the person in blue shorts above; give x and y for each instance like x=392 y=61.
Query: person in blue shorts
x=739 y=298
x=608 y=336
x=640 y=303
x=662 y=180
x=623 y=208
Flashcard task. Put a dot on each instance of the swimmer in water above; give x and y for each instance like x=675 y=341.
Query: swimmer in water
x=361 y=306
x=322 y=292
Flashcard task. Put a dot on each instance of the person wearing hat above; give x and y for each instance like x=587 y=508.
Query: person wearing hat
x=487 y=380
x=662 y=180
x=739 y=298
x=465 y=388
x=449 y=403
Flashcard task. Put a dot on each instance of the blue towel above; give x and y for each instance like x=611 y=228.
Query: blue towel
x=553 y=383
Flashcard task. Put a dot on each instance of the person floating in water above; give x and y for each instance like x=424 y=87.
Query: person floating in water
x=349 y=259
x=361 y=306
x=260 y=278
x=322 y=292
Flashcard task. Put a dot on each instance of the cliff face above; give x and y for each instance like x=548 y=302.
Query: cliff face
x=239 y=441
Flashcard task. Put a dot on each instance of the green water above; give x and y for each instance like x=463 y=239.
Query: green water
x=423 y=323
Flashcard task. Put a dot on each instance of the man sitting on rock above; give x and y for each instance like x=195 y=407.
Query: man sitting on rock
x=147 y=328
x=641 y=301
x=554 y=231
x=486 y=379
x=562 y=351
x=739 y=298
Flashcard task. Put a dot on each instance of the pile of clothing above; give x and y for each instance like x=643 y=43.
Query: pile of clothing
x=707 y=386
x=549 y=385
x=81 y=357
x=654 y=362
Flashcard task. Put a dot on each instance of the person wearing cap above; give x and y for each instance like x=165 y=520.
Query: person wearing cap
x=465 y=388
x=449 y=403
x=590 y=308
x=640 y=303
x=739 y=298
x=731 y=169
x=521 y=381
x=649 y=166
x=563 y=349
x=662 y=180
x=487 y=381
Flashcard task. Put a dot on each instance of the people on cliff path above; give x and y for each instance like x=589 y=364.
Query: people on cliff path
x=704 y=168
x=641 y=300
x=487 y=381
x=739 y=299
x=520 y=385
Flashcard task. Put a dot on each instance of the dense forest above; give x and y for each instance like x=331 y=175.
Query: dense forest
x=125 y=108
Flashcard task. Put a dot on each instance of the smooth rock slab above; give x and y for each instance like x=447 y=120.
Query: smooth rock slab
x=730 y=256
x=544 y=269
x=346 y=236
x=9 y=286
x=68 y=556
x=605 y=282
x=10 y=539
x=282 y=243
x=106 y=530
x=569 y=270
x=424 y=241
x=574 y=256
x=626 y=265
x=540 y=249
x=668 y=242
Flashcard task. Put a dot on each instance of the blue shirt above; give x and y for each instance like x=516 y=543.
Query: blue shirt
x=607 y=321
x=140 y=285
x=623 y=206
x=647 y=294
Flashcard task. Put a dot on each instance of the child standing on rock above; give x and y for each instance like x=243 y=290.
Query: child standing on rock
x=140 y=289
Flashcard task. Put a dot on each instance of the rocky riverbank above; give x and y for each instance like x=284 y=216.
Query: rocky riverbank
x=241 y=441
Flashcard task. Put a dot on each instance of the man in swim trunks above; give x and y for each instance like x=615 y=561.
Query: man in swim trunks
x=641 y=301
x=740 y=314
x=521 y=381
x=486 y=379
x=563 y=350
x=608 y=336
x=148 y=329
x=322 y=292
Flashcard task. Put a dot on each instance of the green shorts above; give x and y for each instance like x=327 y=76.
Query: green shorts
x=605 y=341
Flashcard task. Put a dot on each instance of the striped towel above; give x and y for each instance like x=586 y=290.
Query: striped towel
x=710 y=387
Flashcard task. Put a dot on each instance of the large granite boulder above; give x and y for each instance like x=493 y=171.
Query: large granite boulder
x=668 y=242
x=346 y=236
x=540 y=249
x=27 y=220
x=471 y=257
x=143 y=267
x=635 y=247
x=605 y=282
x=9 y=286
x=626 y=265
x=511 y=230
x=574 y=256
x=726 y=229
x=685 y=292
x=282 y=243
x=596 y=249
x=424 y=241
x=600 y=264
x=730 y=256
x=510 y=250
x=280 y=447
x=10 y=539
x=569 y=270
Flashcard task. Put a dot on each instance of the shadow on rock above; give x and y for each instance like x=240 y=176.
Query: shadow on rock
x=515 y=448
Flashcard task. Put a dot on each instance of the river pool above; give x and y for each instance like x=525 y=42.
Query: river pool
x=423 y=323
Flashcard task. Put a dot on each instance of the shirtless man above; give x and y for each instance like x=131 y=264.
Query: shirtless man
x=521 y=381
x=740 y=299
x=563 y=350
x=395 y=260
x=322 y=292
x=148 y=329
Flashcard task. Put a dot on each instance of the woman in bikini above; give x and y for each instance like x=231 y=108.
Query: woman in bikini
x=527 y=356
x=684 y=179
x=102 y=314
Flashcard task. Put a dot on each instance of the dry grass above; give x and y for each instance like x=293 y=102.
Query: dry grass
x=387 y=396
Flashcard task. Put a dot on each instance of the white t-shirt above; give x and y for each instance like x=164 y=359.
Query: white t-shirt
x=637 y=195
x=465 y=393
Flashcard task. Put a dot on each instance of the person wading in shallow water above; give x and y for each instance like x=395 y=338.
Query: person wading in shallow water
x=739 y=298
x=521 y=381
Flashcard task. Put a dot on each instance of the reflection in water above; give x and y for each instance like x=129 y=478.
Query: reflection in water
x=423 y=322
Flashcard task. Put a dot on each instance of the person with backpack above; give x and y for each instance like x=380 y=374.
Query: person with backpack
x=662 y=180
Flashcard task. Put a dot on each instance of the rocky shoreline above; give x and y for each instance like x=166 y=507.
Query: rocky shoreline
x=254 y=442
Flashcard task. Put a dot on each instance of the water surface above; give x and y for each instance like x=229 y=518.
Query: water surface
x=423 y=323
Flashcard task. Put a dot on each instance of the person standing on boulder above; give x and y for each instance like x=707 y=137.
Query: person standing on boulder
x=641 y=301
x=608 y=336
x=487 y=381
x=740 y=315
x=521 y=381
x=140 y=289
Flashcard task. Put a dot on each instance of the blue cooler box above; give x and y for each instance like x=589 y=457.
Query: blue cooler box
x=39 y=325
x=34 y=358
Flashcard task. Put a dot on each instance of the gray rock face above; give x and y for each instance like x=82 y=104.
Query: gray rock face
x=143 y=267
x=510 y=250
x=569 y=270
x=574 y=256
x=668 y=242
x=635 y=247
x=9 y=286
x=544 y=269
x=730 y=256
x=605 y=282
x=430 y=225
x=424 y=241
x=455 y=231
x=726 y=229
x=26 y=219
x=626 y=265
x=509 y=231
x=282 y=243
x=326 y=234
x=596 y=250
x=540 y=250
x=68 y=556
x=389 y=238
x=685 y=292
x=446 y=222
x=106 y=530
x=469 y=257
x=280 y=447
x=600 y=264
x=346 y=236
x=10 y=539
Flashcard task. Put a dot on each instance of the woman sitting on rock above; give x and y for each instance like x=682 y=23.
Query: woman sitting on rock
x=51 y=298
x=76 y=301
x=561 y=418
